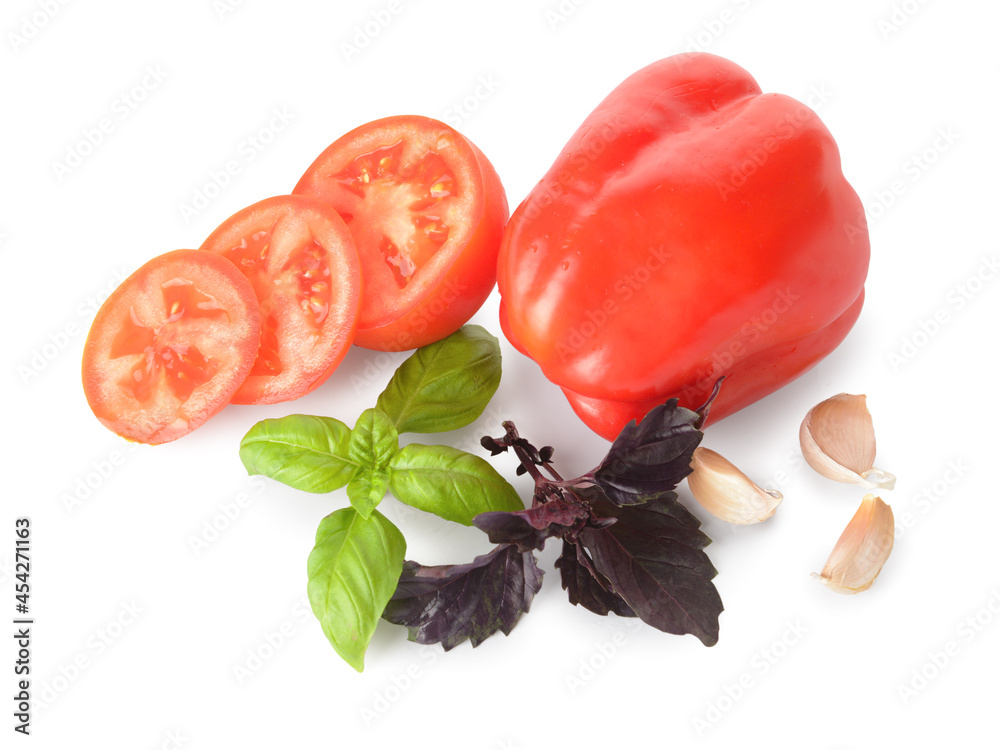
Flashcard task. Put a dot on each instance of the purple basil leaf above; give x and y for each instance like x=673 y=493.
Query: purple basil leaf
x=493 y=446
x=584 y=587
x=530 y=528
x=652 y=557
x=595 y=494
x=648 y=459
x=448 y=604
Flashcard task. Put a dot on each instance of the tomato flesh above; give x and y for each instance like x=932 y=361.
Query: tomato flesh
x=308 y=270
x=300 y=259
x=182 y=366
x=383 y=182
x=426 y=211
x=171 y=346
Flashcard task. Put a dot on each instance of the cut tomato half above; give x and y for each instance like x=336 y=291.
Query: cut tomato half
x=170 y=346
x=427 y=213
x=299 y=256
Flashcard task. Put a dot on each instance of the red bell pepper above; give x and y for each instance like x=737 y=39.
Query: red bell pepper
x=692 y=228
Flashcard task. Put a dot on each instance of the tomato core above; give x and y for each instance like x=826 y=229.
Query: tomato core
x=165 y=354
x=307 y=269
x=383 y=180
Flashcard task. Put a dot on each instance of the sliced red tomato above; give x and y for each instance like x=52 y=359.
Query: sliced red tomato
x=170 y=346
x=299 y=256
x=427 y=212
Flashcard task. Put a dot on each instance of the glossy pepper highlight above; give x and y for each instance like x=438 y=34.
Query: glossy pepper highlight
x=692 y=228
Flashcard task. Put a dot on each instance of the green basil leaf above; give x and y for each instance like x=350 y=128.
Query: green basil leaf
x=449 y=483
x=367 y=489
x=445 y=385
x=307 y=453
x=353 y=571
x=374 y=440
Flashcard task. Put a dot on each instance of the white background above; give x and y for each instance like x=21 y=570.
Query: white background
x=163 y=626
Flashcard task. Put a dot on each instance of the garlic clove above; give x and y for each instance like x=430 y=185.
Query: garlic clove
x=838 y=441
x=862 y=549
x=726 y=492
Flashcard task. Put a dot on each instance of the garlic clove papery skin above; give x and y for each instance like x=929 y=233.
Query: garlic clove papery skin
x=838 y=441
x=862 y=549
x=726 y=492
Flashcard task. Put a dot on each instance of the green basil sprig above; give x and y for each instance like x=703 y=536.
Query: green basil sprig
x=358 y=557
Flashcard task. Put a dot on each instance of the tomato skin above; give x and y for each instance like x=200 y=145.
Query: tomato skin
x=446 y=290
x=184 y=313
x=298 y=230
x=692 y=228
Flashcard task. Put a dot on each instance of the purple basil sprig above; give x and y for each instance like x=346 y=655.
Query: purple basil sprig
x=628 y=545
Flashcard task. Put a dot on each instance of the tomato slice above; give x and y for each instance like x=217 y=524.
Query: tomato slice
x=427 y=212
x=299 y=256
x=170 y=346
